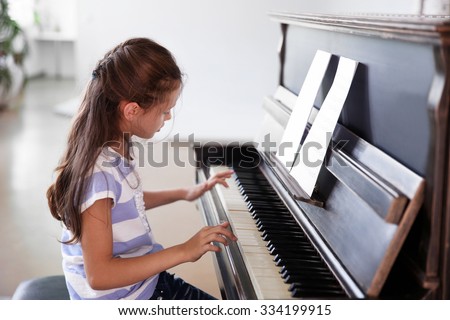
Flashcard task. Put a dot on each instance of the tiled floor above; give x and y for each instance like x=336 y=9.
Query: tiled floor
x=32 y=139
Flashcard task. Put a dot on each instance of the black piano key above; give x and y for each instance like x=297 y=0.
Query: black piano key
x=279 y=232
x=289 y=227
x=266 y=208
x=269 y=223
x=275 y=220
x=305 y=272
x=297 y=256
x=273 y=214
x=291 y=264
x=260 y=192
x=250 y=175
x=270 y=199
x=270 y=213
x=327 y=277
x=245 y=186
x=301 y=246
x=281 y=228
x=256 y=190
x=278 y=243
x=317 y=293
x=271 y=219
x=274 y=237
x=304 y=268
x=269 y=210
x=252 y=198
x=303 y=261
x=301 y=249
x=279 y=236
x=265 y=205
x=254 y=194
x=305 y=285
x=267 y=229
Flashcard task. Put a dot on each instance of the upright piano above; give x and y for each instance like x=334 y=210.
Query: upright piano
x=378 y=223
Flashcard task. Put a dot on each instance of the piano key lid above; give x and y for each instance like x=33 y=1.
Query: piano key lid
x=272 y=161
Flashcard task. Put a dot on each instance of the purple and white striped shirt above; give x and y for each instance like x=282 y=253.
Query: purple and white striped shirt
x=113 y=177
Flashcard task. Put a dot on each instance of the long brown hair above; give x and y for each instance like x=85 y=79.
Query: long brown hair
x=138 y=70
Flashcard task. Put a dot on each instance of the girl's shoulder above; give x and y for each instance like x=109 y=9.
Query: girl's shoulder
x=111 y=162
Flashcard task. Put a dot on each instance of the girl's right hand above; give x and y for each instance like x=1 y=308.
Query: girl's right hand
x=202 y=241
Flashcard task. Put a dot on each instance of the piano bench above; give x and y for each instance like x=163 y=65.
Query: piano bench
x=45 y=288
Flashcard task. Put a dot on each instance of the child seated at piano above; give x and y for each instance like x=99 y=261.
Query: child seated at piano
x=108 y=248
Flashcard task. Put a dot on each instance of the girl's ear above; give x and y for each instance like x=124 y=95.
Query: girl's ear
x=129 y=110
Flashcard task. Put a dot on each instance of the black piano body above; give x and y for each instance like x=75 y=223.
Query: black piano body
x=384 y=228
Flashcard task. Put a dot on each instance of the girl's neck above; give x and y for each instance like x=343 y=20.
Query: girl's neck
x=121 y=147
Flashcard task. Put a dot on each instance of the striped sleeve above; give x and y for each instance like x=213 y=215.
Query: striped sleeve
x=101 y=185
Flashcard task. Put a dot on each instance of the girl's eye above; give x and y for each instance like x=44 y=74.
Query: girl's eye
x=166 y=113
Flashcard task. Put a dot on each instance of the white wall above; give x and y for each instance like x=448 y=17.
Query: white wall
x=438 y=7
x=52 y=40
x=226 y=48
x=62 y=15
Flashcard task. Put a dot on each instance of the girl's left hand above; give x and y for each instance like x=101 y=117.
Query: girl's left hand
x=198 y=190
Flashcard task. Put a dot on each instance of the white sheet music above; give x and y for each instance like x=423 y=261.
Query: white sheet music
x=305 y=101
x=313 y=150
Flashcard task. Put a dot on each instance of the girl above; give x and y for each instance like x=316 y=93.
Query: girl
x=107 y=245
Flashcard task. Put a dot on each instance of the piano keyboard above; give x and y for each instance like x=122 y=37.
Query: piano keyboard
x=281 y=261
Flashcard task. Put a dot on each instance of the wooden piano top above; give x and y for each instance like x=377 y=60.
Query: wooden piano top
x=417 y=28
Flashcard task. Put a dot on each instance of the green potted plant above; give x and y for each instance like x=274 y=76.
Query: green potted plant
x=13 y=48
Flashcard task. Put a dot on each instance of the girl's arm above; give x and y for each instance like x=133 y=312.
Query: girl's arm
x=153 y=199
x=104 y=271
